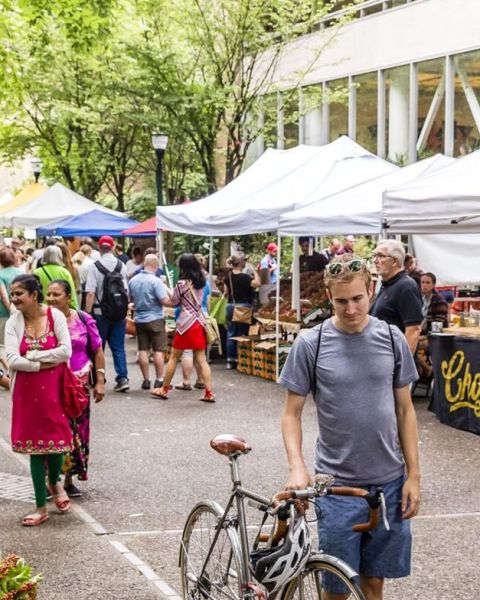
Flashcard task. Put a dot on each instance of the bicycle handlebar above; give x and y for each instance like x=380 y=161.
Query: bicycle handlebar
x=286 y=497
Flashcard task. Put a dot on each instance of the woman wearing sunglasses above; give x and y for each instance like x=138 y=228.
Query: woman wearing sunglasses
x=358 y=369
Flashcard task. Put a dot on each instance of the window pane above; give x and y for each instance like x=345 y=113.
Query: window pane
x=467 y=109
x=431 y=107
x=338 y=97
x=312 y=100
x=290 y=118
x=270 y=121
x=367 y=111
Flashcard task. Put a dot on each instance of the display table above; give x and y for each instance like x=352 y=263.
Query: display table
x=455 y=356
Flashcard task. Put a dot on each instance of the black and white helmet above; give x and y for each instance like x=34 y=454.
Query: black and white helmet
x=274 y=567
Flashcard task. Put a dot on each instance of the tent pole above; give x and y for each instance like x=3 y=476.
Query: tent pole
x=210 y=264
x=296 y=278
x=160 y=246
x=277 y=307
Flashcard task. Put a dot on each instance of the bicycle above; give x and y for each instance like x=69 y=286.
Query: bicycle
x=215 y=560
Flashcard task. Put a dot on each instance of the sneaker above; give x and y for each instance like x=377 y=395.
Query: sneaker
x=73 y=491
x=158 y=383
x=146 y=384
x=122 y=385
x=231 y=365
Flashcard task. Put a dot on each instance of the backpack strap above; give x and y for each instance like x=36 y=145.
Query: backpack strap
x=46 y=273
x=313 y=378
x=101 y=267
x=395 y=369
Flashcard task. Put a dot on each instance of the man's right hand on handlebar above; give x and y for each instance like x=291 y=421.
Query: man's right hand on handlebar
x=298 y=478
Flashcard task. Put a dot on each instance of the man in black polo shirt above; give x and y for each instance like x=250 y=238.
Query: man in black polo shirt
x=310 y=262
x=398 y=301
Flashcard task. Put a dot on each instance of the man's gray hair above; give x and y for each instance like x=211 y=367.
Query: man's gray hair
x=52 y=255
x=395 y=249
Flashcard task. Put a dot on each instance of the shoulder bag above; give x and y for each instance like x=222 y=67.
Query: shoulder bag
x=211 y=327
x=74 y=396
x=241 y=314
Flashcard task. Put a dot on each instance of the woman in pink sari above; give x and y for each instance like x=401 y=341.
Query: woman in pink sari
x=36 y=343
x=87 y=354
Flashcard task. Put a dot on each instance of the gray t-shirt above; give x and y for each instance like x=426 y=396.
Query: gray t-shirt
x=358 y=437
x=95 y=278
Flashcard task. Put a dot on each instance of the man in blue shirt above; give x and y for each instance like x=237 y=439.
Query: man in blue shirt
x=149 y=294
x=268 y=273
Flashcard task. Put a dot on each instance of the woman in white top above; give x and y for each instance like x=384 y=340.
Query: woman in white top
x=37 y=342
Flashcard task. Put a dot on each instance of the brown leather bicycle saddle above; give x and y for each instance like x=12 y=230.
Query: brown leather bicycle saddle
x=228 y=444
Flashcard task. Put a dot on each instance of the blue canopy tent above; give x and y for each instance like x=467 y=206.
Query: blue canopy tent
x=94 y=223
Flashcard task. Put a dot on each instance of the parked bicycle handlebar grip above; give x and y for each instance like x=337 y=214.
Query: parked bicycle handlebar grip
x=373 y=501
x=279 y=533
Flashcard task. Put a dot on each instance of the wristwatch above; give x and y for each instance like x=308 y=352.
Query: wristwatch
x=2 y=373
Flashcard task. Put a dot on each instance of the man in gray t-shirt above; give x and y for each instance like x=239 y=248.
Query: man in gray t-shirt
x=367 y=425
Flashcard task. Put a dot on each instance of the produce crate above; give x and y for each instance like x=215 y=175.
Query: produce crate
x=244 y=356
x=258 y=362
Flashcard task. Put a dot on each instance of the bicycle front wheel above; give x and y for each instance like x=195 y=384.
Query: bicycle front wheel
x=208 y=571
x=322 y=576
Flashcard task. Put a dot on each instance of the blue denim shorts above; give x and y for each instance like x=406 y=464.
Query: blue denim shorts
x=375 y=553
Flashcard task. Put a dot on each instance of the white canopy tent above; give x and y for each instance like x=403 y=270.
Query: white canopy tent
x=56 y=203
x=357 y=209
x=447 y=201
x=279 y=181
x=7 y=197
x=452 y=257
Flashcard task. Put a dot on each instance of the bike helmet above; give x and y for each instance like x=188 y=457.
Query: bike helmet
x=274 y=567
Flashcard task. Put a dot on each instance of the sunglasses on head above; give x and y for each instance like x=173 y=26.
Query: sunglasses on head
x=354 y=266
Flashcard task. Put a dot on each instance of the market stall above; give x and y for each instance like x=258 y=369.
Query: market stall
x=58 y=202
x=94 y=223
x=358 y=208
x=279 y=181
x=456 y=384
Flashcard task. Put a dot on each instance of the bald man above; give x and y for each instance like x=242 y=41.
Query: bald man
x=149 y=295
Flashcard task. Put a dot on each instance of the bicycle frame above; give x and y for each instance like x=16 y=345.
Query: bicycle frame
x=237 y=497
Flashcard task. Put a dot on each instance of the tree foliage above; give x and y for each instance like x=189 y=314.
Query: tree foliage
x=84 y=84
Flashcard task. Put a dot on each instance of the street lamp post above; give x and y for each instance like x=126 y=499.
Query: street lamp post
x=36 y=168
x=159 y=143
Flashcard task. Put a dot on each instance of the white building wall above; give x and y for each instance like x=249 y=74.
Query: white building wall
x=409 y=33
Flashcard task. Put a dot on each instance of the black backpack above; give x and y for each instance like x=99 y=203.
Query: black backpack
x=114 y=302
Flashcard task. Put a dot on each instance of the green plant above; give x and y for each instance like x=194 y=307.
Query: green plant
x=16 y=580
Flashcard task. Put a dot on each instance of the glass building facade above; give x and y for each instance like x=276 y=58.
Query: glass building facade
x=404 y=113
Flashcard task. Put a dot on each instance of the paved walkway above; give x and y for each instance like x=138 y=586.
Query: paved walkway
x=151 y=462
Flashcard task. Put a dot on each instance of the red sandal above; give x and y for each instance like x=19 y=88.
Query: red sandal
x=162 y=393
x=62 y=501
x=209 y=396
x=34 y=520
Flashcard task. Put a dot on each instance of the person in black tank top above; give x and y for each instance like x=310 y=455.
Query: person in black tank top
x=240 y=290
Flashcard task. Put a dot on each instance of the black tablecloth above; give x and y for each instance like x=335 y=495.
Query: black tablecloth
x=456 y=388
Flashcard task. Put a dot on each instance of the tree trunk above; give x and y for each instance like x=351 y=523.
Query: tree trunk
x=168 y=235
x=224 y=250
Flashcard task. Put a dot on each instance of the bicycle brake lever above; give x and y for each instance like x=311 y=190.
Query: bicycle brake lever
x=383 y=504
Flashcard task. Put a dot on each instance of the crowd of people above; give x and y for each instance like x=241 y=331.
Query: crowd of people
x=65 y=309
x=57 y=315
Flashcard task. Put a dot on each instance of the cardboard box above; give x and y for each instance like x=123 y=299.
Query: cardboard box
x=244 y=356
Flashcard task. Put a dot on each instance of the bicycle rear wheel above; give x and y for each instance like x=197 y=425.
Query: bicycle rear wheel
x=214 y=576
x=323 y=575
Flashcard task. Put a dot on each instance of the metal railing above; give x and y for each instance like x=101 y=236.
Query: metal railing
x=362 y=9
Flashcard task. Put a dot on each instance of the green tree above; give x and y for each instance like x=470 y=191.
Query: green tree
x=222 y=60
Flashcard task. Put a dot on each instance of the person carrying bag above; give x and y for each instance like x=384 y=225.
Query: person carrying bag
x=241 y=291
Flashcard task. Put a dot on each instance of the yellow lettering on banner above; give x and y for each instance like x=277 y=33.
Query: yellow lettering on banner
x=463 y=392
